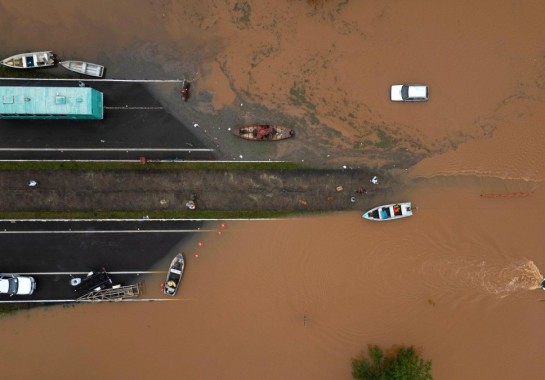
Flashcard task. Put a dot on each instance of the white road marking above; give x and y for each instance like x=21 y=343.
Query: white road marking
x=134 y=108
x=102 y=232
x=129 y=220
x=104 y=150
x=78 y=273
x=100 y=80
x=90 y=301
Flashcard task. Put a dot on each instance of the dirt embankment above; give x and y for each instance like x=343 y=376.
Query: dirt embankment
x=168 y=190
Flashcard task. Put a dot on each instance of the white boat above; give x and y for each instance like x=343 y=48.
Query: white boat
x=389 y=212
x=30 y=60
x=174 y=275
x=86 y=68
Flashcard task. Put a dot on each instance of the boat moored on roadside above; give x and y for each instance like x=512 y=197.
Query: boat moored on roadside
x=85 y=68
x=174 y=275
x=389 y=212
x=264 y=132
x=30 y=60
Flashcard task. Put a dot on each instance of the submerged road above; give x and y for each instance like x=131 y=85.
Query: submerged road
x=52 y=251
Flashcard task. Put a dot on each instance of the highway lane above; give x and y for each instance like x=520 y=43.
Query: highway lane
x=52 y=251
x=135 y=124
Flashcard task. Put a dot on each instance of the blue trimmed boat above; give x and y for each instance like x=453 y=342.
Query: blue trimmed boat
x=30 y=60
x=389 y=212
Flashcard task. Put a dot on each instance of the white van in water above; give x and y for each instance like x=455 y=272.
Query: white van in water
x=14 y=284
x=409 y=93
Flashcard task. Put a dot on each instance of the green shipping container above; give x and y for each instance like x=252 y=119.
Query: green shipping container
x=79 y=103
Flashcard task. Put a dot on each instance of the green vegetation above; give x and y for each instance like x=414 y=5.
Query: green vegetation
x=316 y=2
x=402 y=364
x=10 y=308
x=242 y=13
x=298 y=97
x=385 y=141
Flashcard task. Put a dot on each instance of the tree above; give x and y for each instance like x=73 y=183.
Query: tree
x=404 y=363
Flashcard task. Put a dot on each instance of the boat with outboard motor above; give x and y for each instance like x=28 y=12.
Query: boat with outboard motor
x=30 y=60
x=174 y=275
x=389 y=212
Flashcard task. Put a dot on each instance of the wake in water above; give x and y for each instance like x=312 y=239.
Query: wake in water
x=494 y=278
x=503 y=281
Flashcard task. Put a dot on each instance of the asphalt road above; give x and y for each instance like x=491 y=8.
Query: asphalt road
x=52 y=251
x=135 y=124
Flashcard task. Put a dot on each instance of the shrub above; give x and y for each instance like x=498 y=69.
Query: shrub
x=403 y=364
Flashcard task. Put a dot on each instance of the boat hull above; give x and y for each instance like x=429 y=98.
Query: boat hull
x=389 y=212
x=85 y=68
x=264 y=132
x=174 y=275
x=33 y=60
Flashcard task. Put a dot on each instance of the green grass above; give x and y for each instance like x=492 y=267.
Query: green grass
x=11 y=308
x=386 y=141
x=298 y=97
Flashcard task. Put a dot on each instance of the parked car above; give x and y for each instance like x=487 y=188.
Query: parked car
x=14 y=284
x=409 y=93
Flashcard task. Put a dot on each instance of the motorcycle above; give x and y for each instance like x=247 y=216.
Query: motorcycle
x=185 y=90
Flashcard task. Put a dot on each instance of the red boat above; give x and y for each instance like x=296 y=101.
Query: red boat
x=264 y=132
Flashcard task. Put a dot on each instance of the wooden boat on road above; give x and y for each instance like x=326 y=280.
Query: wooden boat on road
x=389 y=212
x=30 y=60
x=174 y=276
x=264 y=132
x=85 y=68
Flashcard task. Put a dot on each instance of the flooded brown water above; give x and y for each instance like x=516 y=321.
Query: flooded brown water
x=297 y=298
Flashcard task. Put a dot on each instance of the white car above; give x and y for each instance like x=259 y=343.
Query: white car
x=14 y=284
x=409 y=93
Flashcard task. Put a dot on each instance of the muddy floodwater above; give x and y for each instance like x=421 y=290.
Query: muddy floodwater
x=297 y=298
